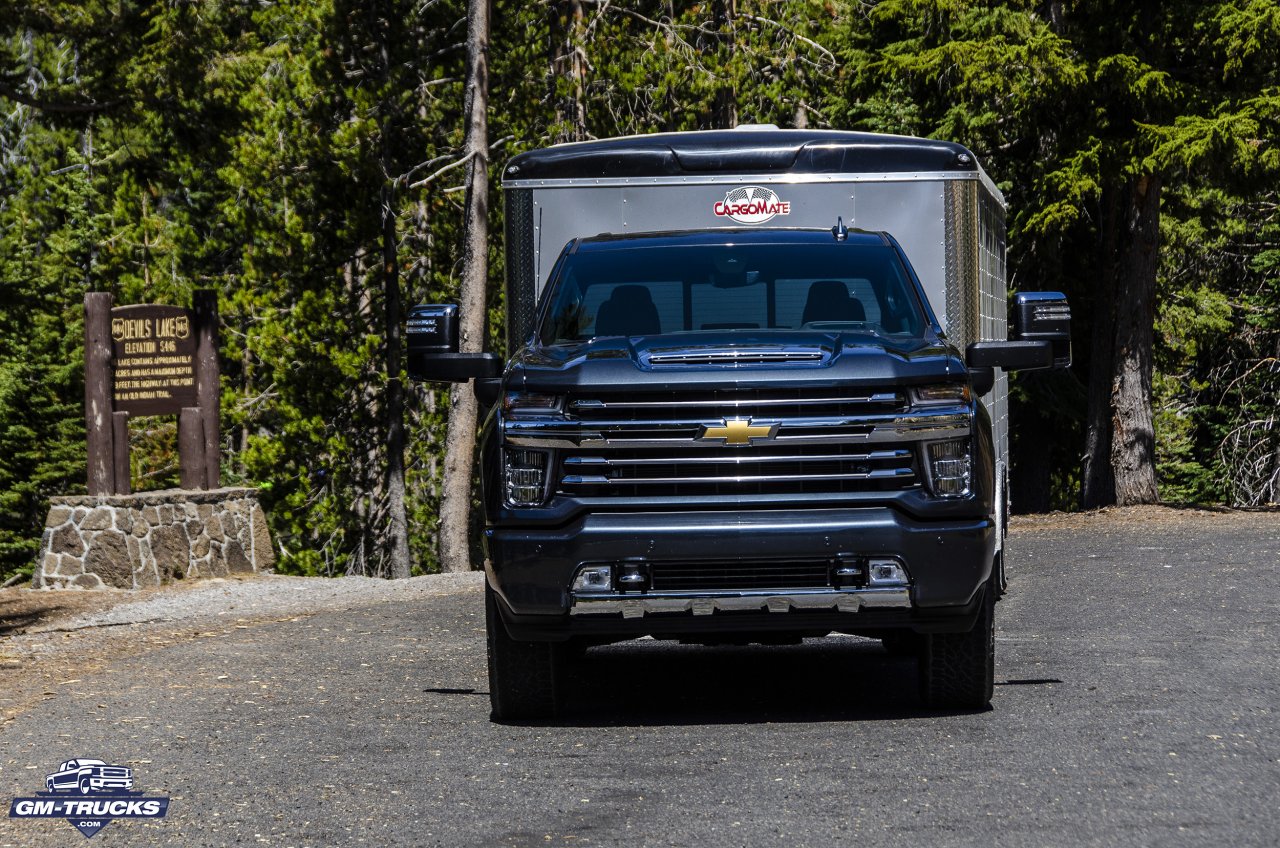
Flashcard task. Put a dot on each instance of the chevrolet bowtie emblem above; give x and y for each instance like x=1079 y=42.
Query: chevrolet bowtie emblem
x=738 y=431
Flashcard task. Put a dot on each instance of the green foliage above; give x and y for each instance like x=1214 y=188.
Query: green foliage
x=253 y=148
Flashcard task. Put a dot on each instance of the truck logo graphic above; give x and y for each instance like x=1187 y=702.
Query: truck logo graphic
x=751 y=205
x=738 y=431
x=88 y=777
x=90 y=794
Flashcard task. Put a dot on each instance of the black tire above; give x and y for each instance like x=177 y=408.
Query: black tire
x=957 y=670
x=903 y=643
x=522 y=675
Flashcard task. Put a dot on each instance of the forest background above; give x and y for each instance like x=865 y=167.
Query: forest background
x=305 y=159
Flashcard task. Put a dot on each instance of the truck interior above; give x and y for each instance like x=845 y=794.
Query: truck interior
x=629 y=288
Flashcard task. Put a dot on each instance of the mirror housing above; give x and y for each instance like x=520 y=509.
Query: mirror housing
x=1011 y=356
x=432 y=342
x=1044 y=316
x=982 y=380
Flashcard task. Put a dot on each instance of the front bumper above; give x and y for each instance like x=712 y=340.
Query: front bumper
x=531 y=569
x=111 y=782
x=760 y=600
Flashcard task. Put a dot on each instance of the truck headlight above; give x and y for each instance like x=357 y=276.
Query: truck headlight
x=532 y=403
x=950 y=468
x=940 y=394
x=525 y=476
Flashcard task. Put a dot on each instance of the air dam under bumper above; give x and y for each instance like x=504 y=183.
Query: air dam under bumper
x=706 y=603
x=531 y=568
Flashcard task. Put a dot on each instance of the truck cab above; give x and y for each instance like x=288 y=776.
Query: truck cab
x=737 y=409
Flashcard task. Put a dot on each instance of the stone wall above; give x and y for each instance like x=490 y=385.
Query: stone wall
x=135 y=541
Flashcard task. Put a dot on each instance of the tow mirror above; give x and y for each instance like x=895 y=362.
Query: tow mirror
x=983 y=358
x=432 y=336
x=1044 y=316
x=1041 y=339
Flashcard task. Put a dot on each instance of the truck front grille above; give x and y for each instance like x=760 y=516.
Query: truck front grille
x=755 y=470
x=809 y=441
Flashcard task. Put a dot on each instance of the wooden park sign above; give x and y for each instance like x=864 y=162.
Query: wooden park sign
x=147 y=359
x=153 y=349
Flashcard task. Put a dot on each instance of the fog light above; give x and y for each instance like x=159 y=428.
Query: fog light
x=950 y=468
x=886 y=572
x=525 y=472
x=595 y=578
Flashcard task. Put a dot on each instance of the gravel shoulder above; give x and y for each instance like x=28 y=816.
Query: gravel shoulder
x=50 y=639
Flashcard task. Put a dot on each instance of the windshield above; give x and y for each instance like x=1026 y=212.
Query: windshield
x=640 y=290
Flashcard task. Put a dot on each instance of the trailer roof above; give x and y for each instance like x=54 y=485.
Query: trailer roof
x=743 y=151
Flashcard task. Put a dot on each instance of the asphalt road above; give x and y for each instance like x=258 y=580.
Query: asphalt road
x=1136 y=693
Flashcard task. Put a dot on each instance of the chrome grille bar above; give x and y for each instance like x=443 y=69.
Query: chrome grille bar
x=575 y=461
x=600 y=480
x=941 y=424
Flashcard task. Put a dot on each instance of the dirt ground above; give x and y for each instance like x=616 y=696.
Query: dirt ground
x=1122 y=516
x=50 y=639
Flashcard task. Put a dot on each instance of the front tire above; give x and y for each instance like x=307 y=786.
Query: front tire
x=902 y=643
x=522 y=675
x=957 y=670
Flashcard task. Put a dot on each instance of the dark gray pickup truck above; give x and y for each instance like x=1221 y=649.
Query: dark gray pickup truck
x=756 y=393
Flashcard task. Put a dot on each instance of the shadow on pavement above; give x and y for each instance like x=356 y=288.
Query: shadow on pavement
x=665 y=683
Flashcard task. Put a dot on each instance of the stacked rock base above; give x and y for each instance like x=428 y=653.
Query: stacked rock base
x=152 y=538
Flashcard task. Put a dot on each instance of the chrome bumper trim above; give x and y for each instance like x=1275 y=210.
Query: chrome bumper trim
x=942 y=423
x=706 y=603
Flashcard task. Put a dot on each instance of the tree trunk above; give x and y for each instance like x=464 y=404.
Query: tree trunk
x=455 y=504
x=725 y=106
x=568 y=70
x=1031 y=478
x=397 y=541
x=1133 y=441
x=1099 y=487
x=1120 y=451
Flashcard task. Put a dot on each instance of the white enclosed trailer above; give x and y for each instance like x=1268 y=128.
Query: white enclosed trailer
x=932 y=196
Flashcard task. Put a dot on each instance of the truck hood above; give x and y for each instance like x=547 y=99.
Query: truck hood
x=676 y=361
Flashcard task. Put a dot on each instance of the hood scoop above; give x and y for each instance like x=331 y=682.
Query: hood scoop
x=736 y=357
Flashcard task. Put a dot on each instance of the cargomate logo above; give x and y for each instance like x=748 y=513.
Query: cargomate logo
x=751 y=205
x=90 y=794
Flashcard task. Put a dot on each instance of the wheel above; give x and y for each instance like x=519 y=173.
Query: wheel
x=522 y=675
x=957 y=670
x=85 y=788
x=48 y=784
